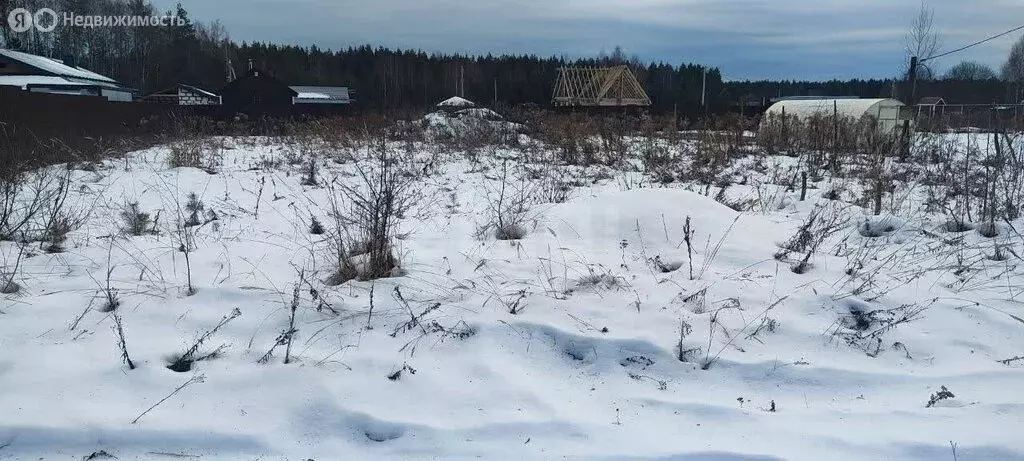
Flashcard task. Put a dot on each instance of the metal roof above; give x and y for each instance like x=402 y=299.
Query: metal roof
x=23 y=81
x=54 y=66
x=321 y=95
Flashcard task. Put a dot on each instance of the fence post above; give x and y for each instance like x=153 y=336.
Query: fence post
x=835 y=125
x=878 y=196
x=803 y=185
x=785 y=132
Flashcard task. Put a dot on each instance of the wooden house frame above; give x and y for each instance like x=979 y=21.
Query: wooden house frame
x=598 y=86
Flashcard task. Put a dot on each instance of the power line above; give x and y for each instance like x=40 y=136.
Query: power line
x=973 y=44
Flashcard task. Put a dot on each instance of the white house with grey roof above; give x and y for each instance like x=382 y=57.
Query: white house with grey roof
x=184 y=95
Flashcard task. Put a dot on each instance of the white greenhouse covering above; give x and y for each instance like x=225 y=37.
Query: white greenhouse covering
x=887 y=111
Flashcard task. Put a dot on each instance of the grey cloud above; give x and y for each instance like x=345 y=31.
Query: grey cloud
x=794 y=39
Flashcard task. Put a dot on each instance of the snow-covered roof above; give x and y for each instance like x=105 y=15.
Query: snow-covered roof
x=199 y=90
x=313 y=96
x=54 y=66
x=321 y=94
x=456 y=101
x=855 y=108
x=22 y=81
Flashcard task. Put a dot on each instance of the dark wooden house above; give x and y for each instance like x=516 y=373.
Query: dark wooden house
x=257 y=92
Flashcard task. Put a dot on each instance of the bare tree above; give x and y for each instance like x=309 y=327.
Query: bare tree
x=922 y=40
x=1013 y=68
x=970 y=70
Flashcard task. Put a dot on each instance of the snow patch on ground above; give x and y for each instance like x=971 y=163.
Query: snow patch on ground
x=607 y=356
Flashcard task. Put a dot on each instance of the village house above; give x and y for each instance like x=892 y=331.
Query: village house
x=40 y=74
x=259 y=92
x=184 y=95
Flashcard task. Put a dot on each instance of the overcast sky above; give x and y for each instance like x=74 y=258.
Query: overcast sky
x=746 y=39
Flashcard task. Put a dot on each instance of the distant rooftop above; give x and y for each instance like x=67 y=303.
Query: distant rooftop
x=456 y=101
x=54 y=67
x=198 y=90
x=931 y=101
x=321 y=95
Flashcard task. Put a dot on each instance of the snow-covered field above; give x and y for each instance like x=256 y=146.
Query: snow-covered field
x=598 y=335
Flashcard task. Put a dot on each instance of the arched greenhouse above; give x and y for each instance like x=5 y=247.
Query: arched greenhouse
x=886 y=111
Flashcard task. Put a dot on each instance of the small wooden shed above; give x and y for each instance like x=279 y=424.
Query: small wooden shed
x=931 y=106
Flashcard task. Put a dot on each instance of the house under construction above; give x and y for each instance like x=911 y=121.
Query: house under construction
x=598 y=87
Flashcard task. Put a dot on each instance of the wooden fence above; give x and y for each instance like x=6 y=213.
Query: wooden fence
x=41 y=128
x=969 y=117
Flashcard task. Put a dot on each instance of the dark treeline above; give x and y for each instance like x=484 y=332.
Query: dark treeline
x=391 y=79
x=953 y=91
x=154 y=58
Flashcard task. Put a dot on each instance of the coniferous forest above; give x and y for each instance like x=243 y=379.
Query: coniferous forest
x=201 y=52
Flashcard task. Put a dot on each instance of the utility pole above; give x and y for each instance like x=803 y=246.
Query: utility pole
x=495 y=91
x=913 y=81
x=704 y=90
x=911 y=101
x=229 y=70
x=462 y=81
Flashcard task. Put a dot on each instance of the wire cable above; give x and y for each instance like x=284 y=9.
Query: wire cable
x=972 y=45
